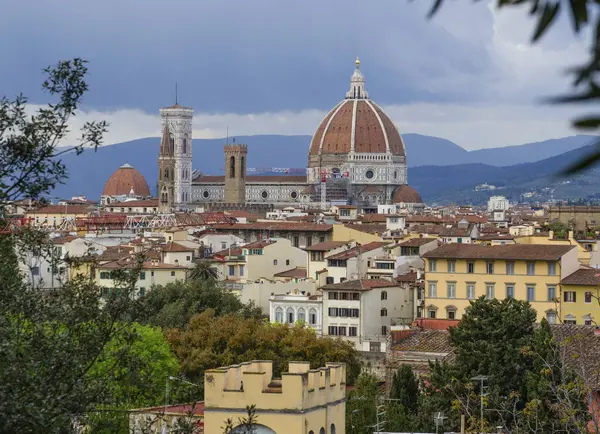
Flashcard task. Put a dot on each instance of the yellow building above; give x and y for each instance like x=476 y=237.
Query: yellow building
x=580 y=302
x=587 y=250
x=303 y=401
x=348 y=233
x=458 y=273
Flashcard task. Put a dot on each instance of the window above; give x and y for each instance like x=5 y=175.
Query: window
x=432 y=265
x=172 y=274
x=321 y=239
x=551 y=293
x=588 y=297
x=459 y=240
x=332 y=295
x=103 y=274
x=551 y=317
x=570 y=319
x=570 y=297
x=384 y=295
x=451 y=266
x=188 y=258
x=312 y=317
x=375 y=347
x=531 y=268
x=510 y=268
x=490 y=268
x=223 y=246
x=333 y=331
x=530 y=293
x=355 y=313
x=143 y=275
x=274 y=261
x=489 y=291
x=432 y=313
x=451 y=314
x=432 y=290
x=232 y=167
x=264 y=195
x=369 y=174
x=384 y=330
x=355 y=296
x=142 y=291
x=383 y=312
x=329 y=280
x=470 y=267
x=333 y=311
x=470 y=291
x=551 y=268
x=241 y=270
x=35 y=271
x=301 y=315
x=587 y=320
x=352 y=331
x=232 y=270
x=451 y=290
x=342 y=331
x=296 y=241
x=290 y=315
x=510 y=291
x=279 y=315
x=184 y=147
x=287 y=262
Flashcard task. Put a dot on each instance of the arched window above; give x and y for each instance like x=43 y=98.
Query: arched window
x=301 y=315
x=384 y=312
x=384 y=295
x=171 y=144
x=279 y=315
x=312 y=317
x=322 y=430
x=166 y=173
x=332 y=429
x=184 y=146
x=243 y=167
x=290 y=315
x=232 y=167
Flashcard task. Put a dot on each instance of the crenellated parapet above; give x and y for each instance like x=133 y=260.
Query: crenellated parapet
x=300 y=388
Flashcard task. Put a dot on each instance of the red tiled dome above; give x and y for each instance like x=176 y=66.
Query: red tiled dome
x=125 y=179
x=357 y=124
x=406 y=194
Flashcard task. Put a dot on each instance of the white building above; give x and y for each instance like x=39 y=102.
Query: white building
x=497 y=203
x=297 y=306
x=362 y=311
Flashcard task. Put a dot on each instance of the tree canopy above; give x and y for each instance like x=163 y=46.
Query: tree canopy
x=209 y=341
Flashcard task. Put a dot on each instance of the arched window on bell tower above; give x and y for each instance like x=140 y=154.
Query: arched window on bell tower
x=171 y=143
x=232 y=167
x=167 y=174
x=243 y=167
x=184 y=146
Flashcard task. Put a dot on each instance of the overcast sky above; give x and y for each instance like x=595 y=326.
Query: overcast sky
x=275 y=67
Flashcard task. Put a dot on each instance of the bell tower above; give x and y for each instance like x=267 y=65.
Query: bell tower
x=166 y=171
x=177 y=123
x=235 y=173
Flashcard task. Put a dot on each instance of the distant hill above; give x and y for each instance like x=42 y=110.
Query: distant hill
x=89 y=171
x=456 y=183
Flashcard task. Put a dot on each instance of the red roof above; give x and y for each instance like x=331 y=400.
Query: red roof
x=276 y=226
x=298 y=273
x=355 y=251
x=361 y=285
x=325 y=246
x=62 y=209
x=175 y=247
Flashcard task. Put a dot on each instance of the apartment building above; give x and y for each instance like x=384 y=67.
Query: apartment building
x=580 y=300
x=353 y=263
x=362 y=311
x=297 y=306
x=317 y=257
x=300 y=234
x=458 y=273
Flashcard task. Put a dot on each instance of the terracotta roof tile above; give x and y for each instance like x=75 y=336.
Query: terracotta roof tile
x=62 y=209
x=538 y=252
x=373 y=218
x=369 y=228
x=355 y=251
x=426 y=341
x=416 y=242
x=63 y=240
x=583 y=277
x=326 y=246
x=174 y=247
x=408 y=277
x=276 y=226
x=299 y=273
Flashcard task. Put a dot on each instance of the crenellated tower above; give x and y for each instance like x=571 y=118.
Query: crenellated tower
x=175 y=158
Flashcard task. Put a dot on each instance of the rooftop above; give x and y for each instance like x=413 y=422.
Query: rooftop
x=357 y=250
x=297 y=273
x=275 y=226
x=416 y=242
x=539 y=252
x=62 y=209
x=583 y=277
x=175 y=247
x=325 y=246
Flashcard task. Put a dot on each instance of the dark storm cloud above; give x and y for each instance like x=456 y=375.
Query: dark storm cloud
x=240 y=56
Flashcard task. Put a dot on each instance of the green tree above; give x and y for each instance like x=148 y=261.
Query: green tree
x=586 y=85
x=209 y=341
x=203 y=270
x=405 y=388
x=361 y=405
x=29 y=163
x=172 y=305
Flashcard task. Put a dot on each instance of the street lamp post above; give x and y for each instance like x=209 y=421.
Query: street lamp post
x=482 y=379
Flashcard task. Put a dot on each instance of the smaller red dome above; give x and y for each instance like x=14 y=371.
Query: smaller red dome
x=406 y=194
x=125 y=180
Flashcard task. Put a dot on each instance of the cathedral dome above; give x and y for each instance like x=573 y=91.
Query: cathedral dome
x=406 y=194
x=126 y=181
x=357 y=124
